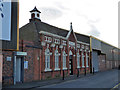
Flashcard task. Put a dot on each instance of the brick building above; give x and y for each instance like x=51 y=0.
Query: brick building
x=45 y=51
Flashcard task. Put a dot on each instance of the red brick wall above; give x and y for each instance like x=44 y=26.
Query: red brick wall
x=7 y=73
x=36 y=61
x=34 y=58
x=102 y=62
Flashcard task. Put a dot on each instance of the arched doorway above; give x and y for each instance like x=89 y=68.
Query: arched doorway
x=71 y=62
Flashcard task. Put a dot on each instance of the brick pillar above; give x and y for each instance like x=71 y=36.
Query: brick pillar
x=1 y=60
x=80 y=60
x=85 y=58
x=43 y=62
x=61 y=62
x=40 y=64
x=75 y=61
x=53 y=61
x=89 y=60
x=67 y=58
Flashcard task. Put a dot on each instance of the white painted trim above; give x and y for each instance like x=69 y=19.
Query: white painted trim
x=21 y=53
x=47 y=69
x=14 y=70
x=70 y=52
x=78 y=66
x=61 y=46
x=64 y=68
x=80 y=49
x=51 y=34
x=87 y=66
x=52 y=45
x=43 y=43
x=57 y=69
x=83 y=66
x=68 y=35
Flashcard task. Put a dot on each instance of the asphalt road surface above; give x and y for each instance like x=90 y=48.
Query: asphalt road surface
x=106 y=79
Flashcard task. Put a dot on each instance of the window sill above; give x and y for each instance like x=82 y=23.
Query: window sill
x=83 y=66
x=47 y=69
x=87 y=66
x=78 y=66
x=64 y=68
x=57 y=69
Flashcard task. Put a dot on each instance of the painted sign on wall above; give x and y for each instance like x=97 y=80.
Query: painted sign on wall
x=25 y=64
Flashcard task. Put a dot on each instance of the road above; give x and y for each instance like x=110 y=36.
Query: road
x=106 y=79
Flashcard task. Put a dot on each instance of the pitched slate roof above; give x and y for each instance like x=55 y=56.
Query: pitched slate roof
x=41 y=26
x=33 y=28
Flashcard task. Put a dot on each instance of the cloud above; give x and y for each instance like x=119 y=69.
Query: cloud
x=92 y=24
x=89 y=20
x=94 y=31
x=60 y=5
x=50 y=13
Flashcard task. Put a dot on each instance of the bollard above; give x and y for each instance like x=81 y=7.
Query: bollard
x=63 y=74
x=77 y=72
x=85 y=72
x=93 y=70
x=119 y=67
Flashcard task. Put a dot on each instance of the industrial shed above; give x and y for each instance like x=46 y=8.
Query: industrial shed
x=103 y=55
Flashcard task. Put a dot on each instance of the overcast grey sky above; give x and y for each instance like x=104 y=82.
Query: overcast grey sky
x=98 y=18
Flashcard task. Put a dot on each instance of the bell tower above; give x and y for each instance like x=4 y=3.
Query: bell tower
x=35 y=14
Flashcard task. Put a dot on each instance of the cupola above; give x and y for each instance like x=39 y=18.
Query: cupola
x=35 y=14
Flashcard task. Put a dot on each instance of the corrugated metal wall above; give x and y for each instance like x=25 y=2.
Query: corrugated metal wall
x=110 y=51
x=95 y=63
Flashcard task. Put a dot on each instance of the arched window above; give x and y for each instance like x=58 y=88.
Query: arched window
x=33 y=15
x=57 y=59
x=47 y=60
x=64 y=60
x=78 y=60
x=83 y=59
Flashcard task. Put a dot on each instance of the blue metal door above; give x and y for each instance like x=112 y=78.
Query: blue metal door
x=95 y=63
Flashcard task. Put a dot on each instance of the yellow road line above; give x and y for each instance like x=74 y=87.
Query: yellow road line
x=115 y=86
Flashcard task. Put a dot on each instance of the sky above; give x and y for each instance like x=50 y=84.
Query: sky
x=98 y=18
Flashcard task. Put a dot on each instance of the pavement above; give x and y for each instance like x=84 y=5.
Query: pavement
x=35 y=84
x=105 y=79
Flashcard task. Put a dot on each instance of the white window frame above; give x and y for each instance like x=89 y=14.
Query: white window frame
x=47 y=60
x=57 y=54
x=64 y=60
x=83 y=60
